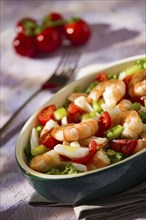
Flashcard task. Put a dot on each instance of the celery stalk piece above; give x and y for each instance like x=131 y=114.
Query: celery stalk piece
x=135 y=106
x=39 y=150
x=114 y=132
x=60 y=113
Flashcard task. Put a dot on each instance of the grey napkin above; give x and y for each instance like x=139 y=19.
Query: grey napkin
x=130 y=203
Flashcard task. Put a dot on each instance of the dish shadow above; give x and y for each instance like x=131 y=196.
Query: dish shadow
x=102 y=37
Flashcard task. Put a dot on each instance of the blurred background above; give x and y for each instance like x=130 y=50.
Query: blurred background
x=118 y=31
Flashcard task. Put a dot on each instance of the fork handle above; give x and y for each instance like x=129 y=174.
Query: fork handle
x=12 y=118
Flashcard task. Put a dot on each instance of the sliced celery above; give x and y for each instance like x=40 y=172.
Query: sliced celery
x=135 y=106
x=39 y=150
x=133 y=69
x=114 y=156
x=97 y=106
x=114 y=132
x=91 y=86
x=60 y=113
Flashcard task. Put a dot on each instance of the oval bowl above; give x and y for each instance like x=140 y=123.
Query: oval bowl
x=86 y=186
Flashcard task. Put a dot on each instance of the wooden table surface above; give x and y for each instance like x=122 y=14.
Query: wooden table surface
x=118 y=31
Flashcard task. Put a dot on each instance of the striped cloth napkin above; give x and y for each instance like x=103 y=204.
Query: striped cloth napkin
x=130 y=204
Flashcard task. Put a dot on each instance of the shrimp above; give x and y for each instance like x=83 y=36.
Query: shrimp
x=111 y=90
x=43 y=162
x=137 y=85
x=124 y=105
x=99 y=160
x=75 y=132
x=131 y=122
x=140 y=145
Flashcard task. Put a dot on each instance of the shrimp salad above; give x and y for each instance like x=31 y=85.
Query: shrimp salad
x=98 y=126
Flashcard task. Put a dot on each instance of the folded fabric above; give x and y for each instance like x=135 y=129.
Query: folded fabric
x=130 y=202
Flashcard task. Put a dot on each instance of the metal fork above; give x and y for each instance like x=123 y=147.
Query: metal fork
x=62 y=74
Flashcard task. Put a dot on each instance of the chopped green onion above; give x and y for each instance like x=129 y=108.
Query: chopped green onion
x=91 y=86
x=135 y=106
x=114 y=156
x=114 y=132
x=97 y=106
x=60 y=113
x=143 y=116
x=39 y=150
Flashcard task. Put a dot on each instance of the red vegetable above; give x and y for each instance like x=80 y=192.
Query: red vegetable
x=102 y=76
x=49 y=39
x=46 y=114
x=77 y=31
x=93 y=146
x=48 y=141
x=73 y=109
x=55 y=16
x=124 y=146
x=25 y=45
x=104 y=123
x=26 y=26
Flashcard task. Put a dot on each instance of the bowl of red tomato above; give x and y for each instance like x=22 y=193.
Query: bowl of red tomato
x=89 y=140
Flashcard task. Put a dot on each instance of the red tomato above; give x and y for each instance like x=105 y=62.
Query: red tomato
x=25 y=45
x=26 y=26
x=124 y=146
x=127 y=80
x=73 y=109
x=104 y=121
x=55 y=16
x=77 y=32
x=46 y=114
x=49 y=39
x=93 y=147
x=48 y=141
x=102 y=76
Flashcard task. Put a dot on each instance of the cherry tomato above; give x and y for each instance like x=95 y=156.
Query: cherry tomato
x=77 y=31
x=55 y=16
x=25 y=45
x=48 y=141
x=46 y=114
x=102 y=76
x=104 y=121
x=73 y=109
x=127 y=80
x=49 y=39
x=93 y=146
x=26 y=26
x=124 y=146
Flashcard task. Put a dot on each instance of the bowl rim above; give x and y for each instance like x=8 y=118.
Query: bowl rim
x=18 y=152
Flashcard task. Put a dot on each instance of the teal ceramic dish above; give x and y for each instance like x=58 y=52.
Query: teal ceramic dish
x=86 y=186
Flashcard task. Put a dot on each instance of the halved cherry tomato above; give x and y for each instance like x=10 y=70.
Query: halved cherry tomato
x=124 y=146
x=46 y=114
x=102 y=76
x=73 y=109
x=104 y=121
x=127 y=80
x=48 y=141
x=93 y=147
